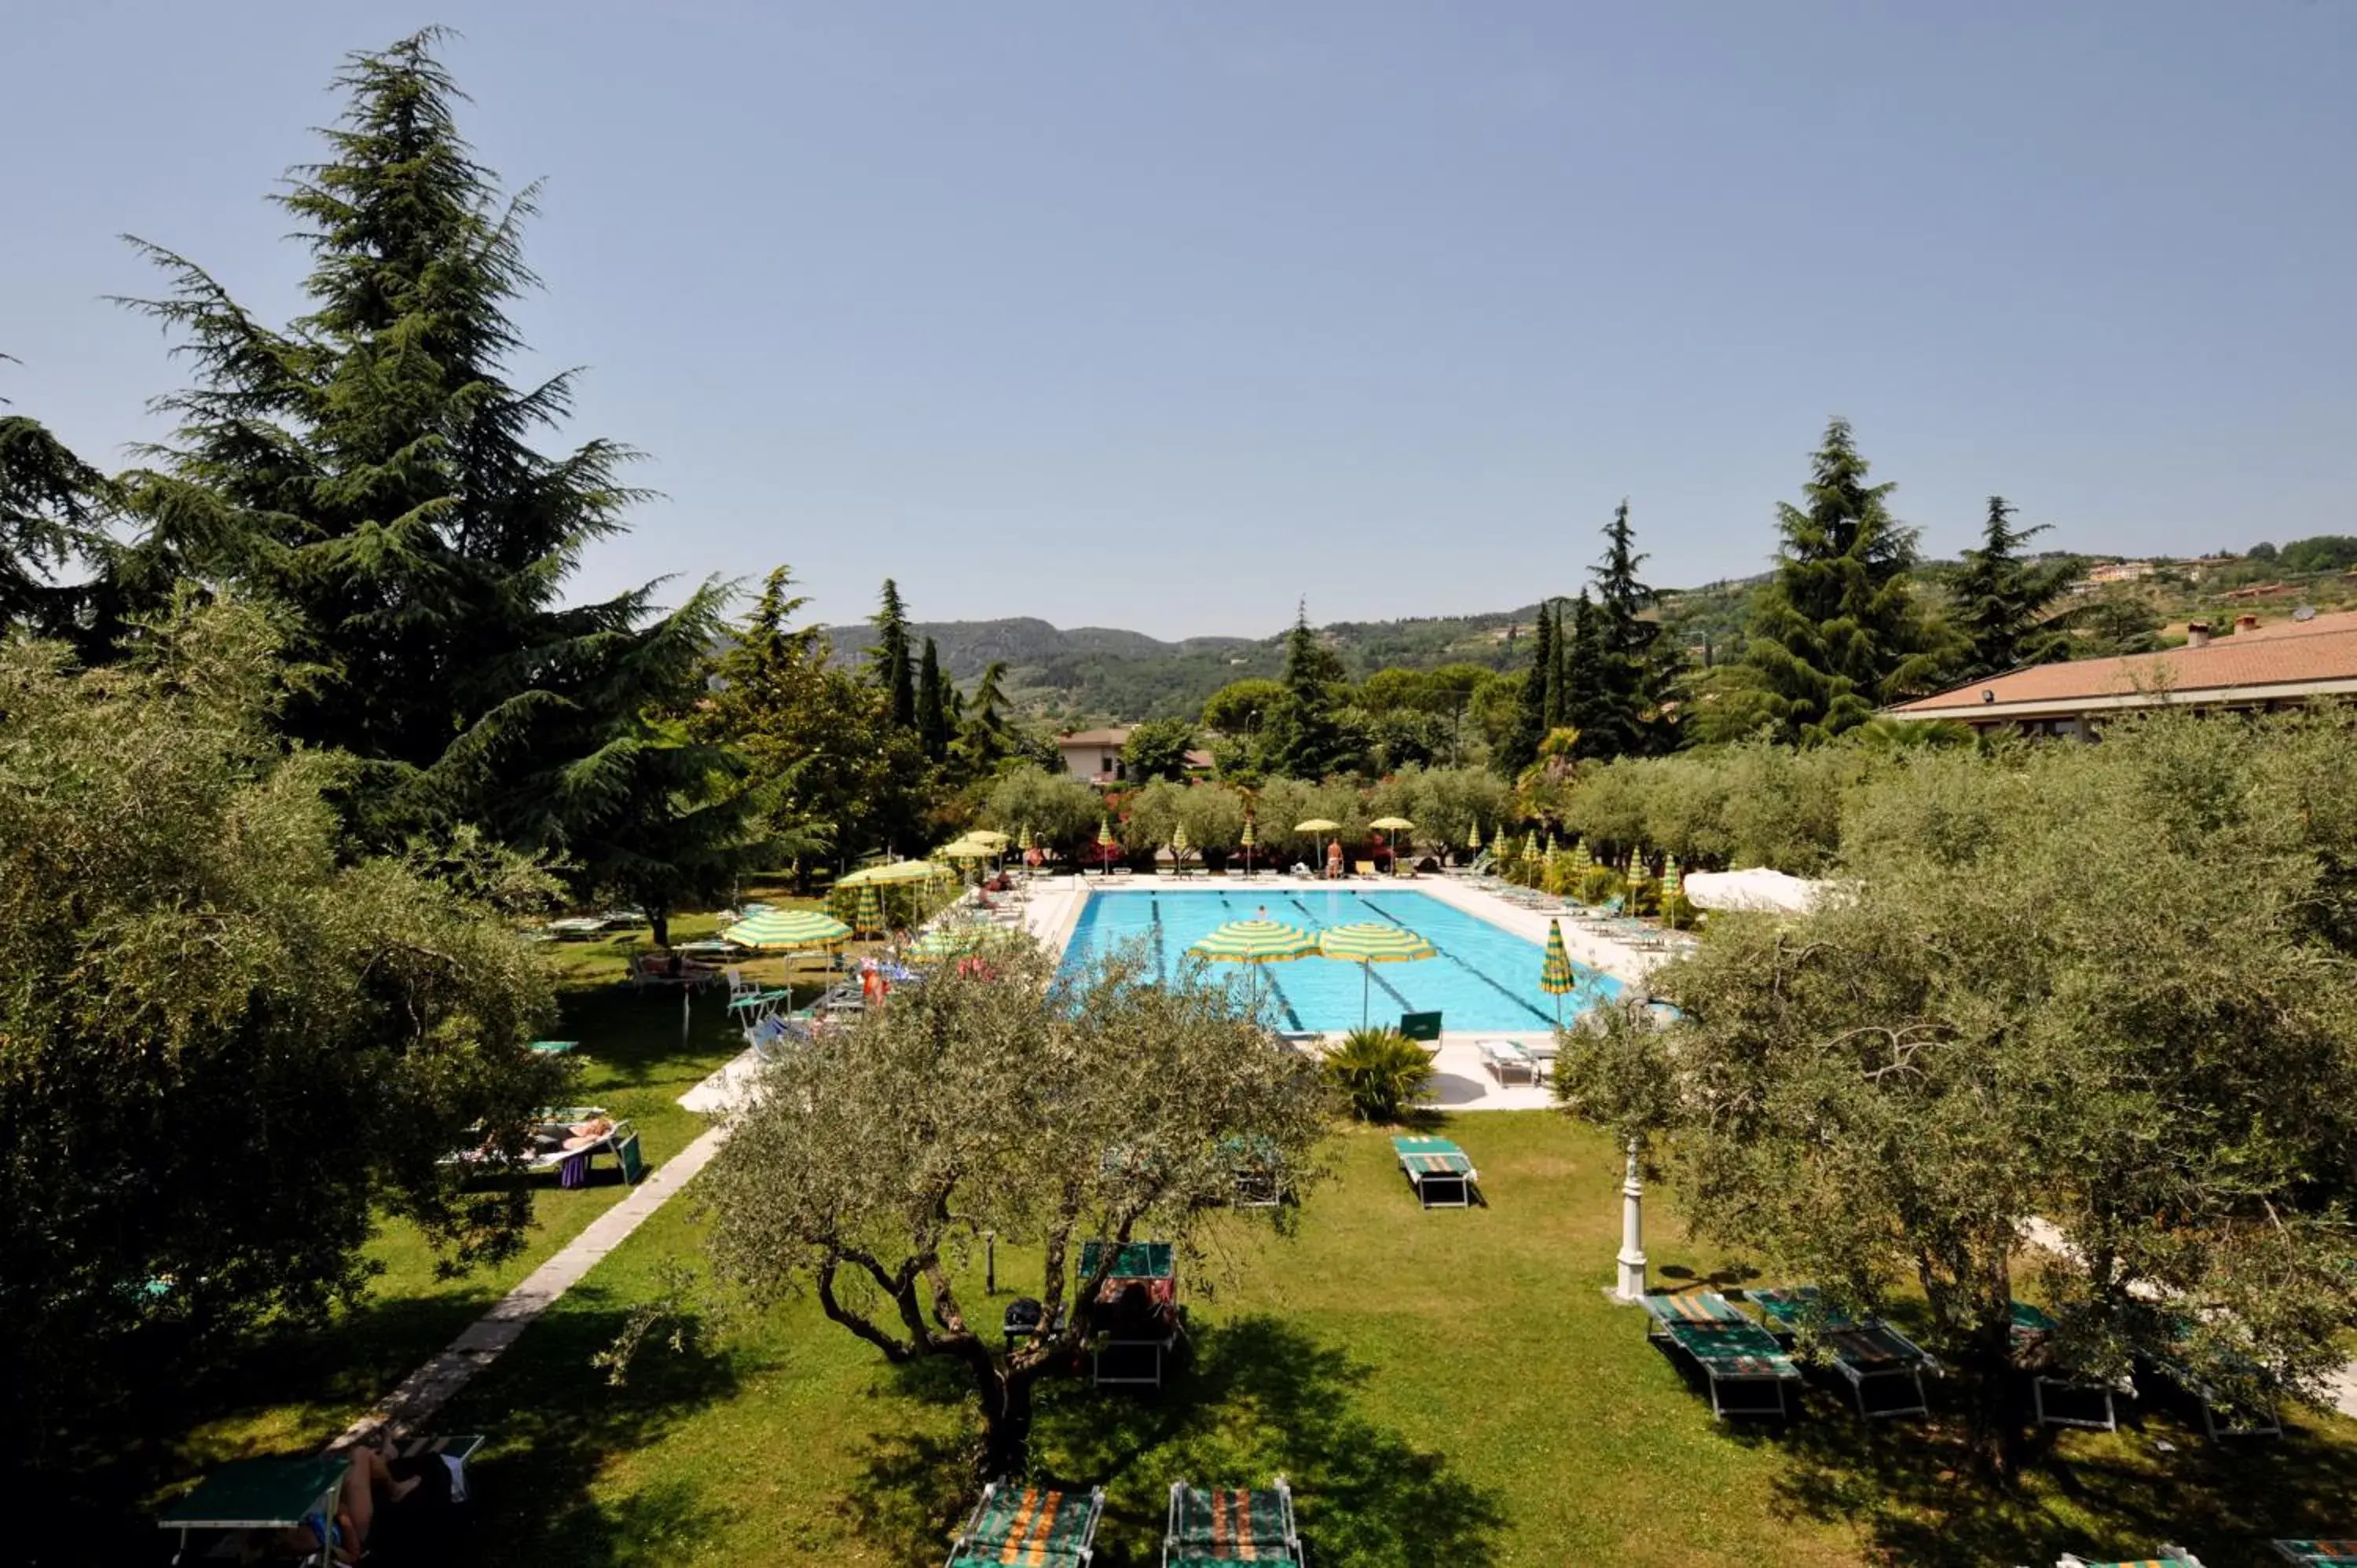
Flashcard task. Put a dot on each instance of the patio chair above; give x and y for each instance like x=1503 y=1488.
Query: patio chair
x=2223 y=1415
x=1502 y=1057
x=1259 y=1171
x=1742 y=1364
x=1868 y=1352
x=1231 y=1526
x=1138 y=1320
x=2319 y=1553
x=1030 y=1525
x=2058 y=1393
x=1439 y=1171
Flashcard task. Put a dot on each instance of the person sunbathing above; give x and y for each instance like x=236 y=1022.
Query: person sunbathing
x=346 y=1536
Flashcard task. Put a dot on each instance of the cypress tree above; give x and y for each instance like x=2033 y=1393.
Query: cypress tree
x=1552 y=614
x=1836 y=631
x=889 y=658
x=2000 y=598
x=1302 y=738
x=370 y=466
x=1521 y=747
x=933 y=711
x=1583 y=660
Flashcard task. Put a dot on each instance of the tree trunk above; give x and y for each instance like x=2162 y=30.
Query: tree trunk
x=661 y=920
x=1005 y=1424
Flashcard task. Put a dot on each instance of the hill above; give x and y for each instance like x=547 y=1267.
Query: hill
x=1103 y=674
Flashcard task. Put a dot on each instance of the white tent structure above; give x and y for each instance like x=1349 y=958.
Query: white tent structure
x=1753 y=888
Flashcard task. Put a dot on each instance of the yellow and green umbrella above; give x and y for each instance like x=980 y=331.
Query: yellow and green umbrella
x=947 y=941
x=1248 y=842
x=1555 y=975
x=1530 y=846
x=1581 y=861
x=1023 y=840
x=869 y=914
x=1394 y=826
x=1105 y=841
x=897 y=872
x=1179 y=847
x=1672 y=882
x=1256 y=942
x=1371 y=942
x=1473 y=837
x=990 y=838
x=786 y=929
x=1319 y=825
x=966 y=849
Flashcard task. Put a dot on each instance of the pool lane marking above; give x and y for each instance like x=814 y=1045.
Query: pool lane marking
x=1460 y=963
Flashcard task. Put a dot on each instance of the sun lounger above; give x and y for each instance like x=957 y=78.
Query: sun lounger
x=572 y=1165
x=1439 y=1171
x=1743 y=1365
x=1231 y=1526
x=1502 y=1057
x=2171 y=1557
x=1424 y=1026
x=1030 y=1525
x=2223 y=1414
x=1259 y=1170
x=2057 y=1392
x=1866 y=1352
x=1138 y=1320
x=2319 y=1553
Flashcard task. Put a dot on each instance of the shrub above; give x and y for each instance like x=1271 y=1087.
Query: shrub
x=1601 y=884
x=1381 y=1070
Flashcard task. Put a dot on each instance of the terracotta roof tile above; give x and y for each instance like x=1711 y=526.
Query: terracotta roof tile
x=2285 y=653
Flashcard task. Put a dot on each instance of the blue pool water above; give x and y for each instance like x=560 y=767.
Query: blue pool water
x=1482 y=978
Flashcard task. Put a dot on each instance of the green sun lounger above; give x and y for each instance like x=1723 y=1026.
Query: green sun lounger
x=2319 y=1553
x=1032 y=1525
x=2223 y=1414
x=251 y=1495
x=1439 y=1171
x=1866 y=1352
x=1746 y=1369
x=2171 y=1557
x=1138 y=1319
x=2051 y=1384
x=1231 y=1526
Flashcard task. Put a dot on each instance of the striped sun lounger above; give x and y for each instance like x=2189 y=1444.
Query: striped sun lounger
x=1865 y=1351
x=1746 y=1371
x=1030 y=1526
x=2171 y=1557
x=2319 y=1553
x=2059 y=1395
x=1439 y=1171
x=1230 y=1527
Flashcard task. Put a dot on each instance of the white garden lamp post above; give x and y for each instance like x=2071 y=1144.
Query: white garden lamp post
x=1632 y=1284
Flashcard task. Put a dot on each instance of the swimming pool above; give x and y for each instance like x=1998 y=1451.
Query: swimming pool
x=1482 y=978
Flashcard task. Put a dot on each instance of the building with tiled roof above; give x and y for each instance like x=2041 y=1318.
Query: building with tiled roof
x=2255 y=669
x=1094 y=754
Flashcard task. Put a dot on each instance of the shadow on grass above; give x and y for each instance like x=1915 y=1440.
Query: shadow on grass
x=1249 y=1400
x=1907 y=1484
x=555 y=1422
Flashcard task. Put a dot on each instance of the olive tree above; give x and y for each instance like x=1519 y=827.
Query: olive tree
x=1061 y=811
x=224 y=1043
x=995 y=1098
x=2105 y=988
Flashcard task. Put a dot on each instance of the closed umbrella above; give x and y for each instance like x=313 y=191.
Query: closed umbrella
x=1530 y=846
x=1581 y=861
x=869 y=915
x=1672 y=883
x=1023 y=839
x=1255 y=942
x=1473 y=837
x=1555 y=975
x=1105 y=841
x=1248 y=842
x=1179 y=847
x=1371 y=942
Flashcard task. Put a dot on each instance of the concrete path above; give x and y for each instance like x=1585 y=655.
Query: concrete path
x=426 y=1390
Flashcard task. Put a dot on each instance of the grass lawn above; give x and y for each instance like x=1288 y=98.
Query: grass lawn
x=1450 y=1387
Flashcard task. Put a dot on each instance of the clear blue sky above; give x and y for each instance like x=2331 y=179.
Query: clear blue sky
x=1161 y=314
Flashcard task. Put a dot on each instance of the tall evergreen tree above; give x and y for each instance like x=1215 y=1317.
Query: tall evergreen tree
x=1552 y=613
x=1530 y=727
x=1837 y=632
x=1304 y=739
x=2000 y=600
x=1631 y=669
x=52 y=510
x=889 y=658
x=932 y=706
x=370 y=466
x=1583 y=660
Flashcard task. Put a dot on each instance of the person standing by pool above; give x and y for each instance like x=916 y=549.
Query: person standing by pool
x=1334 y=860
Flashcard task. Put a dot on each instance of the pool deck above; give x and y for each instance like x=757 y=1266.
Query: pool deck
x=1460 y=1081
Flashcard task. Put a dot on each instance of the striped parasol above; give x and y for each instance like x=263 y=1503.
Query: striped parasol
x=869 y=915
x=786 y=929
x=1105 y=840
x=1530 y=846
x=1581 y=861
x=1555 y=975
x=1473 y=837
x=1248 y=842
x=947 y=941
x=1672 y=882
x=1023 y=840
x=1637 y=873
x=1179 y=847
x=1371 y=942
x=1256 y=942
